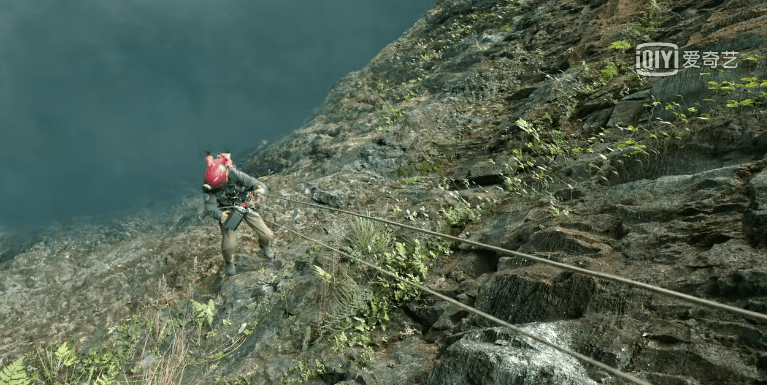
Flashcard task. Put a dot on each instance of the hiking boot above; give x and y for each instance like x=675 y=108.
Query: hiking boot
x=268 y=252
x=230 y=270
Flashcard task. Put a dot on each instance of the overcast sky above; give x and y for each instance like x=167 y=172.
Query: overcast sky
x=107 y=105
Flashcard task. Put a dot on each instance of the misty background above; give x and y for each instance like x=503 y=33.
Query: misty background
x=107 y=106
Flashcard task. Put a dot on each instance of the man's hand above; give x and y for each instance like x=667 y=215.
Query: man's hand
x=255 y=195
x=224 y=215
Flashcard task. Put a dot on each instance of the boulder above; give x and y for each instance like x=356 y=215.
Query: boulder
x=498 y=356
x=755 y=227
x=591 y=106
x=484 y=171
x=597 y=120
x=536 y=294
x=332 y=198
x=757 y=191
x=755 y=218
x=626 y=113
x=565 y=241
x=522 y=93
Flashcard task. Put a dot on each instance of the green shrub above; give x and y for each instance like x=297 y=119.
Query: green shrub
x=369 y=237
x=620 y=45
x=609 y=73
x=356 y=302
x=459 y=215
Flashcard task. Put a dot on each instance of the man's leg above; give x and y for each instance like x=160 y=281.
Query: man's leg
x=228 y=247
x=265 y=235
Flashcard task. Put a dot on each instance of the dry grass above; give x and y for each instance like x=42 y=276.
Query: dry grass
x=169 y=368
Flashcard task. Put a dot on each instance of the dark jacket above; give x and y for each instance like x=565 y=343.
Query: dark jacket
x=234 y=192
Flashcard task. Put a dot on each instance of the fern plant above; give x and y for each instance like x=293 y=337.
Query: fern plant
x=14 y=374
x=65 y=356
x=348 y=300
x=203 y=314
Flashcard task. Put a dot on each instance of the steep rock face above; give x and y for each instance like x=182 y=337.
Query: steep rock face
x=468 y=124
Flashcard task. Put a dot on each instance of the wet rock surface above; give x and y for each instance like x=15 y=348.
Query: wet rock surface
x=496 y=356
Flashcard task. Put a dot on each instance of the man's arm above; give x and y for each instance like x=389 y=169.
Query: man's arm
x=211 y=205
x=248 y=181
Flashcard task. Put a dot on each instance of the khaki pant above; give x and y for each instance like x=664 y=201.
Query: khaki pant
x=229 y=237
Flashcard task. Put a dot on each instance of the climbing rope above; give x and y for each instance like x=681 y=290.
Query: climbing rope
x=423 y=288
x=615 y=278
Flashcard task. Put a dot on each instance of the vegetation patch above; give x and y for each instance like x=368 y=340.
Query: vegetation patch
x=152 y=349
x=423 y=168
x=356 y=300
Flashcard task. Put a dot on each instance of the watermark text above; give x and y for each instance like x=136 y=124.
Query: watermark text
x=662 y=59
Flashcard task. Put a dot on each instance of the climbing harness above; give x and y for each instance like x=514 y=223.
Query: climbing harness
x=236 y=213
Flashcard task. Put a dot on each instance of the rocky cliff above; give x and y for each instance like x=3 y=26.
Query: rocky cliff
x=521 y=124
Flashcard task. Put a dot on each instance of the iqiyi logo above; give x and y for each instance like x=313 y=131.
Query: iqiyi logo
x=662 y=59
x=655 y=59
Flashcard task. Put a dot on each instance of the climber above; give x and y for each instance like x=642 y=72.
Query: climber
x=228 y=188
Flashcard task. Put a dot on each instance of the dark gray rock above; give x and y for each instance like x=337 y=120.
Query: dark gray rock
x=755 y=218
x=465 y=299
x=429 y=312
x=559 y=65
x=675 y=188
x=626 y=113
x=589 y=107
x=668 y=333
x=556 y=239
x=446 y=9
x=318 y=148
x=407 y=363
x=568 y=194
x=449 y=318
x=757 y=191
x=507 y=230
x=638 y=96
x=471 y=287
x=333 y=198
x=506 y=263
x=521 y=94
x=480 y=172
x=497 y=357
x=700 y=363
x=602 y=224
x=553 y=88
x=597 y=120
x=462 y=62
x=536 y=294
x=755 y=227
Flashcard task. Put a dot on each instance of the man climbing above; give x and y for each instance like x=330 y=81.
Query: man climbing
x=225 y=189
